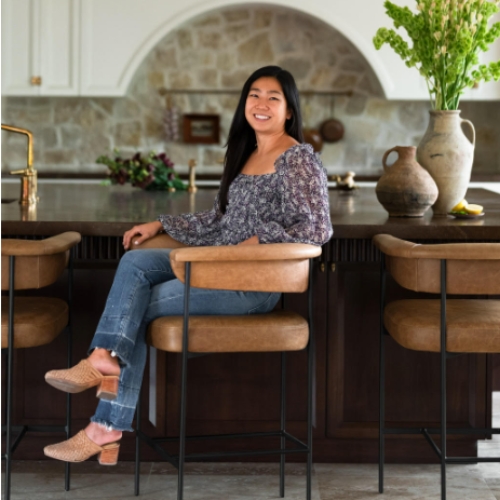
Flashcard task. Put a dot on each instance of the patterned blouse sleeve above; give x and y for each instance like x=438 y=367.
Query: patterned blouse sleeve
x=306 y=209
x=196 y=229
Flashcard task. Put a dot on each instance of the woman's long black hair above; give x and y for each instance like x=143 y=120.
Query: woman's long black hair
x=242 y=141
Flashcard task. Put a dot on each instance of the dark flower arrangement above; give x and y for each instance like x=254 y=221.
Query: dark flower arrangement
x=154 y=172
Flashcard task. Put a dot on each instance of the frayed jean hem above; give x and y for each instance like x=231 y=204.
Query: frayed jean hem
x=110 y=426
x=115 y=343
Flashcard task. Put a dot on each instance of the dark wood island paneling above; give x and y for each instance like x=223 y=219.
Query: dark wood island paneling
x=241 y=391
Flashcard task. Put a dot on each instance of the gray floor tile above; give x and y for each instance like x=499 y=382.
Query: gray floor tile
x=494 y=485
x=231 y=469
x=44 y=480
x=83 y=486
x=46 y=486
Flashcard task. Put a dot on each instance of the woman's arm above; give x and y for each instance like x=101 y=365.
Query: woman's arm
x=306 y=205
x=196 y=229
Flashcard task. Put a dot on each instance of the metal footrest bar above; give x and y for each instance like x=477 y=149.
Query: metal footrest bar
x=465 y=431
x=164 y=454
x=277 y=451
x=36 y=428
x=453 y=431
x=457 y=460
x=295 y=440
x=173 y=459
x=402 y=430
x=431 y=442
x=471 y=460
x=20 y=436
x=23 y=429
x=220 y=436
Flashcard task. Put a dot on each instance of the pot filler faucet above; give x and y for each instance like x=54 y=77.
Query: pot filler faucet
x=29 y=174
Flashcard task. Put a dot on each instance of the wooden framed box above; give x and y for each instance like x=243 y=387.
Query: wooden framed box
x=201 y=129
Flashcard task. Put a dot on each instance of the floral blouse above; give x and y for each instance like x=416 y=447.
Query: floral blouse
x=287 y=206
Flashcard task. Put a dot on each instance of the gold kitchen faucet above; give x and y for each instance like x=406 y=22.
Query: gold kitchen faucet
x=29 y=185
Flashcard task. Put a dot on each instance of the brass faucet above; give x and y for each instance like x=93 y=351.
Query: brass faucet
x=192 y=177
x=29 y=174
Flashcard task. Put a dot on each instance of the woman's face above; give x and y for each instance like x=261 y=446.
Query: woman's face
x=266 y=109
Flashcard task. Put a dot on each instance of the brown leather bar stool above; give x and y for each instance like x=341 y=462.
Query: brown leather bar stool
x=447 y=326
x=33 y=321
x=284 y=267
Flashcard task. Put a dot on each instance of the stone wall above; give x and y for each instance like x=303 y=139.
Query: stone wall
x=219 y=51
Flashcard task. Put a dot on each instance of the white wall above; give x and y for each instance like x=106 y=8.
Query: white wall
x=117 y=35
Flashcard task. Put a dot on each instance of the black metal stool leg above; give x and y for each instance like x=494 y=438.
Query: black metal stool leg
x=137 y=444
x=310 y=388
x=283 y=423
x=309 y=422
x=10 y=381
x=381 y=424
x=8 y=437
x=443 y=427
x=381 y=435
x=182 y=426
x=443 y=380
x=67 y=468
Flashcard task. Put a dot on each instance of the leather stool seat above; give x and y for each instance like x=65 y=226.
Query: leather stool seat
x=276 y=331
x=37 y=320
x=471 y=325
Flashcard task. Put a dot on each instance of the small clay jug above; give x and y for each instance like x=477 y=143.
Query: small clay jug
x=405 y=189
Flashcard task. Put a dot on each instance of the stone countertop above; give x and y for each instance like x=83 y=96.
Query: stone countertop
x=95 y=210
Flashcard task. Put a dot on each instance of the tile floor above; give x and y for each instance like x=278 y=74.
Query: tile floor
x=237 y=481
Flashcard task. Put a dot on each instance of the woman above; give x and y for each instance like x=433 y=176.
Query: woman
x=273 y=190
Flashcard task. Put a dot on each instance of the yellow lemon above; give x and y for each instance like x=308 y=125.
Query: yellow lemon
x=460 y=206
x=474 y=209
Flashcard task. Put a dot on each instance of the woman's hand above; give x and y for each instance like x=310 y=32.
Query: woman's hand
x=254 y=240
x=145 y=231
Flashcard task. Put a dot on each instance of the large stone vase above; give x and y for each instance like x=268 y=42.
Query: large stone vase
x=447 y=154
x=405 y=189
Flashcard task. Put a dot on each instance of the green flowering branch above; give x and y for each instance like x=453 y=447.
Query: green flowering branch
x=446 y=36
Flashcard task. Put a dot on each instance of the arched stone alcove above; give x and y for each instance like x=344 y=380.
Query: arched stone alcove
x=220 y=49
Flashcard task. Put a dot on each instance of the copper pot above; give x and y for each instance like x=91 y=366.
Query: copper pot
x=332 y=130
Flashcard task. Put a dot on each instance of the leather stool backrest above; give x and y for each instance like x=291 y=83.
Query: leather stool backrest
x=472 y=268
x=276 y=267
x=38 y=262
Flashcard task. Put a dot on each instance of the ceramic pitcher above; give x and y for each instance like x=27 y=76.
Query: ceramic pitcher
x=447 y=154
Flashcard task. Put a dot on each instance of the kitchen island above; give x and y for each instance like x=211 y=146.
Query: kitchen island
x=233 y=393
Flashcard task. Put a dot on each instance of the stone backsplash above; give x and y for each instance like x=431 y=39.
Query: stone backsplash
x=219 y=51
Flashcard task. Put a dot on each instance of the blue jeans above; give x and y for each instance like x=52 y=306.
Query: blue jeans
x=145 y=288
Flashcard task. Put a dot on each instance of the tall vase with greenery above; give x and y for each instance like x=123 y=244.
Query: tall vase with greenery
x=445 y=40
x=447 y=37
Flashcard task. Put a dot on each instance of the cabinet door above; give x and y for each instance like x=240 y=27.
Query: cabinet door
x=20 y=48
x=40 y=40
x=59 y=46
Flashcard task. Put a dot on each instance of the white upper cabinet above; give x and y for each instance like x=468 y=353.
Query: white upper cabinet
x=40 y=47
x=94 y=47
x=20 y=47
